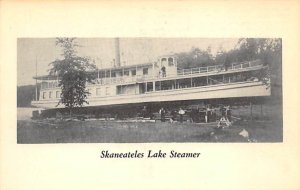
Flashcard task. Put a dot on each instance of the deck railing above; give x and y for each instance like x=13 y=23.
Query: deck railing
x=120 y=80
x=218 y=68
x=183 y=72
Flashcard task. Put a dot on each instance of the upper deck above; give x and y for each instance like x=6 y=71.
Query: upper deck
x=152 y=72
x=147 y=83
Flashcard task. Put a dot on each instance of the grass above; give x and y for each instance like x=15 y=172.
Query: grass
x=266 y=128
x=132 y=132
x=106 y=132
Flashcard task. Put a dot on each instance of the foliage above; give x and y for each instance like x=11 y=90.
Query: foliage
x=195 y=58
x=253 y=48
x=269 y=50
x=247 y=49
x=25 y=94
x=74 y=74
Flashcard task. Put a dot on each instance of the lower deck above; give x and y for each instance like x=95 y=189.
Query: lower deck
x=230 y=90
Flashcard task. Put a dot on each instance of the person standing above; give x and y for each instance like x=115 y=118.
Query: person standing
x=228 y=113
x=162 y=113
x=144 y=112
x=223 y=111
x=181 y=112
x=163 y=70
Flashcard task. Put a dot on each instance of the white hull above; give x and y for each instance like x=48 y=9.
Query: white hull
x=231 y=90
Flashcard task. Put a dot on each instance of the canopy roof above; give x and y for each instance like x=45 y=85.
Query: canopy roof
x=113 y=69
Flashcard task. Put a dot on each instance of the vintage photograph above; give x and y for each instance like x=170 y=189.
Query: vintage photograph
x=149 y=90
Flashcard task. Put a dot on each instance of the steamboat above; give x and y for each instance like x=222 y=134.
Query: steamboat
x=123 y=90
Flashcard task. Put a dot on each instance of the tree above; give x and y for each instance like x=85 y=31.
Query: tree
x=269 y=50
x=195 y=58
x=25 y=94
x=74 y=73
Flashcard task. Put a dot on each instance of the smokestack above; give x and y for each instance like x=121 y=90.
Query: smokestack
x=117 y=51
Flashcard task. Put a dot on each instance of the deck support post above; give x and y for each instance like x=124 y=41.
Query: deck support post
x=159 y=85
x=109 y=75
x=135 y=70
x=146 y=87
x=153 y=70
x=207 y=80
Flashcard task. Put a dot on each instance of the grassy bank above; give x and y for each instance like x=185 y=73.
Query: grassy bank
x=132 y=132
x=265 y=126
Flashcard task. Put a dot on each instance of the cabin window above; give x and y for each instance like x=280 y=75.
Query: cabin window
x=113 y=74
x=98 y=92
x=119 y=90
x=50 y=94
x=100 y=74
x=145 y=71
x=126 y=73
x=170 y=61
x=163 y=60
x=57 y=94
x=133 y=72
x=149 y=87
x=107 y=91
x=43 y=85
x=106 y=74
x=44 y=95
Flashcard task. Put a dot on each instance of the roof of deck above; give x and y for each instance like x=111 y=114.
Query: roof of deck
x=120 y=68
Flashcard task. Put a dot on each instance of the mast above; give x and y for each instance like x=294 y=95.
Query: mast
x=36 y=88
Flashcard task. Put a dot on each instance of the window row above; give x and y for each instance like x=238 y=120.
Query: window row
x=45 y=85
x=169 y=60
x=108 y=74
x=50 y=95
x=97 y=92
x=104 y=91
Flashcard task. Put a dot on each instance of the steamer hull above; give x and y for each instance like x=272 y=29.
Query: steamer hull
x=221 y=91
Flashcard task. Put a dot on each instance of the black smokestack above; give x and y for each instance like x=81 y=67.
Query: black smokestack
x=117 y=49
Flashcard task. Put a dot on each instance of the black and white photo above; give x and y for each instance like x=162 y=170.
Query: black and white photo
x=146 y=90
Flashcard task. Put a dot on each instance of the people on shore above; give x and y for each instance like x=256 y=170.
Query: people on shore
x=181 y=112
x=225 y=115
x=144 y=112
x=162 y=113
